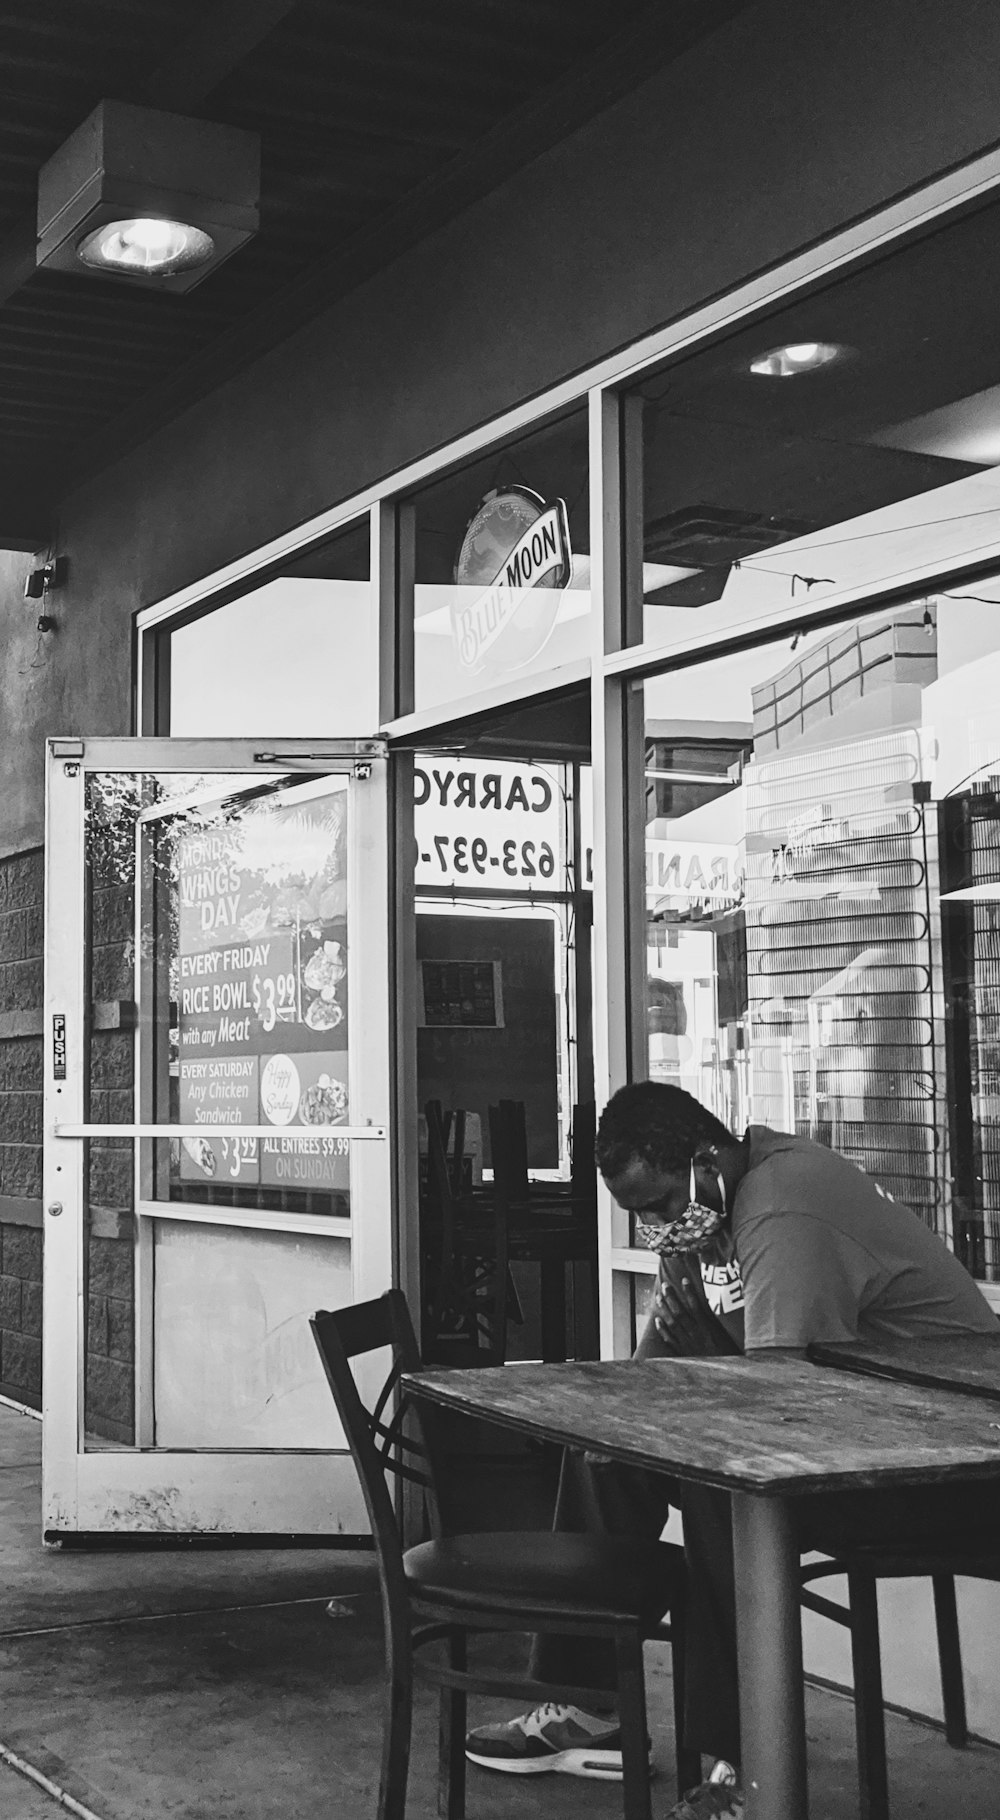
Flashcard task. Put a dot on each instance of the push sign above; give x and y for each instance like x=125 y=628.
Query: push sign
x=58 y=1046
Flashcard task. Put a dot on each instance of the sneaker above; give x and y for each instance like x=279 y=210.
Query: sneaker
x=710 y=1801
x=560 y=1739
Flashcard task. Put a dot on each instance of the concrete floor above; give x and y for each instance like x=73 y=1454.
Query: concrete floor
x=215 y=1686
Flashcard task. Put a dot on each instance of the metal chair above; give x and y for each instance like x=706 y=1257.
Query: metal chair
x=449 y=1588
x=864 y=1564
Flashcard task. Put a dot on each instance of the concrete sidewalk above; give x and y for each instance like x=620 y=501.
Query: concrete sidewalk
x=213 y=1685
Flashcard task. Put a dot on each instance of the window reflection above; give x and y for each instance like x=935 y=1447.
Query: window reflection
x=823 y=898
x=501 y=566
x=761 y=488
x=295 y=654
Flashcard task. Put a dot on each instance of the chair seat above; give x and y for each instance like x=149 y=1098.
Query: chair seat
x=538 y=1572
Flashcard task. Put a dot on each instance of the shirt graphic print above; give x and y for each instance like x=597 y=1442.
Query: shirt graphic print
x=723 y=1286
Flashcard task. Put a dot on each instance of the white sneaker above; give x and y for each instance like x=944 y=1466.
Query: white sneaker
x=710 y=1801
x=552 y=1739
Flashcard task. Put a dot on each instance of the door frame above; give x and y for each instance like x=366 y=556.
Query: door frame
x=184 y=1491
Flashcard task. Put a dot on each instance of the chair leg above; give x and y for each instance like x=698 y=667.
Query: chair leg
x=396 y=1729
x=950 y=1659
x=451 y=1736
x=688 y=1761
x=632 y=1718
x=869 y=1714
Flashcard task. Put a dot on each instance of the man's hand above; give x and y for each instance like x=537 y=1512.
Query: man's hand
x=682 y=1319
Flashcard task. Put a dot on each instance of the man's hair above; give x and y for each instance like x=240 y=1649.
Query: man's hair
x=662 y=1125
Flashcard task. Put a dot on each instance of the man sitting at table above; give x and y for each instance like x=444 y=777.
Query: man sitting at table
x=766 y=1242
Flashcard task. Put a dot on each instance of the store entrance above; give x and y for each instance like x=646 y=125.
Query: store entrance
x=216 y=1127
x=504 y=1058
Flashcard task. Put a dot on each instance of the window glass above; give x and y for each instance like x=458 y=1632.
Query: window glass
x=846 y=441
x=296 y=655
x=822 y=948
x=501 y=566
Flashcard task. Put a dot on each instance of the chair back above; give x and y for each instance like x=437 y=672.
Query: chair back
x=443 y=1177
x=387 y=1441
x=467 y=1280
x=445 y=1149
x=509 y=1150
x=583 y=1137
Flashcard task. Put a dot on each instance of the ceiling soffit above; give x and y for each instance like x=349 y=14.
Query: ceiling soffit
x=379 y=121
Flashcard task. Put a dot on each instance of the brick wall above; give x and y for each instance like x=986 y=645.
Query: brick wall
x=21 y=881
x=21 y=1312
x=110 y=1329
x=109 y=1217
x=109 y=1399
x=110 y=1395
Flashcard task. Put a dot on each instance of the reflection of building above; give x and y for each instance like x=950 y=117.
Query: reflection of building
x=845 y=984
x=970 y=923
x=695 y=939
x=823 y=914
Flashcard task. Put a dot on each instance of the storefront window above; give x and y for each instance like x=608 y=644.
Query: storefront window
x=496 y=943
x=296 y=655
x=844 y=443
x=501 y=566
x=822 y=949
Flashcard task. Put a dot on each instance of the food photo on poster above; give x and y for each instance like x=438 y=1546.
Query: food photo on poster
x=261 y=992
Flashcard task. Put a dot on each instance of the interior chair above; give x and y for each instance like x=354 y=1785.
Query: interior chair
x=582 y=1139
x=469 y=1295
x=509 y=1155
x=864 y=1565
x=509 y=1149
x=439 y=1594
x=551 y=1224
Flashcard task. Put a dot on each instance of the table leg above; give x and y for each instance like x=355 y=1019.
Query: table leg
x=769 y=1649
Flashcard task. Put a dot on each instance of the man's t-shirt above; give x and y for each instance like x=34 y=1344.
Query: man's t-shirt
x=825 y=1254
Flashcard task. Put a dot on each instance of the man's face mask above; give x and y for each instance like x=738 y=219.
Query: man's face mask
x=695 y=1229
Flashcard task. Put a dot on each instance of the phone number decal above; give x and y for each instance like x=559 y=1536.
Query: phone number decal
x=470 y=856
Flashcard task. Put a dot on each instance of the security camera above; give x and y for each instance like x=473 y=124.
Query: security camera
x=38 y=582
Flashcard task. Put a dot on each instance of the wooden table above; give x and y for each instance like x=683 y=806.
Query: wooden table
x=968 y=1363
x=768 y=1432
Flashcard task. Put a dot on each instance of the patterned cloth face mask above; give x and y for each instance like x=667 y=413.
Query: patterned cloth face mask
x=695 y=1229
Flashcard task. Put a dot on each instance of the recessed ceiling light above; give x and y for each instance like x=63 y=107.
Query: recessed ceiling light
x=796 y=357
x=146 y=245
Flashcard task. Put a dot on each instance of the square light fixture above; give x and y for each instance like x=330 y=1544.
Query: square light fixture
x=148 y=198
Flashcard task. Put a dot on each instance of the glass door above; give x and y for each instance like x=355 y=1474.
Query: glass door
x=216 y=1128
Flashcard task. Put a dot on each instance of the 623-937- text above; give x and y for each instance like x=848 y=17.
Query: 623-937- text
x=517 y=859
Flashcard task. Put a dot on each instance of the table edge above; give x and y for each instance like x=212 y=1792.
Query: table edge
x=825 y=1355
x=804 y=1485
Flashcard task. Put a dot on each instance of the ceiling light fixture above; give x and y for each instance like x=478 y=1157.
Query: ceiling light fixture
x=147 y=244
x=148 y=198
x=796 y=357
